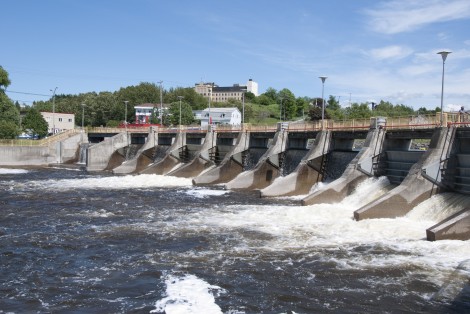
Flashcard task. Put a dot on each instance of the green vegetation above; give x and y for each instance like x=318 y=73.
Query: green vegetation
x=9 y=113
x=108 y=108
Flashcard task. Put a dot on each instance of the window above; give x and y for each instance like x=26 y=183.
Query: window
x=70 y=120
x=60 y=119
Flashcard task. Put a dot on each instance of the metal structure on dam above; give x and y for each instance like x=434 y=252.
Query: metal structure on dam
x=419 y=156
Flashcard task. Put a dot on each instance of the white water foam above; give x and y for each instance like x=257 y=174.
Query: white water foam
x=331 y=227
x=188 y=295
x=12 y=171
x=204 y=193
x=115 y=182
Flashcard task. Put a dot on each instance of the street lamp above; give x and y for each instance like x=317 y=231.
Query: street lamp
x=180 y=97
x=280 y=111
x=53 y=110
x=209 y=122
x=160 y=114
x=243 y=90
x=323 y=78
x=125 y=115
x=444 y=57
x=83 y=114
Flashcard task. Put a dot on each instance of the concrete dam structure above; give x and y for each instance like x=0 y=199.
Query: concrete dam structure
x=419 y=160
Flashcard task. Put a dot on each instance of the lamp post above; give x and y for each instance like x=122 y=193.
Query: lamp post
x=160 y=114
x=83 y=114
x=53 y=110
x=323 y=78
x=125 y=115
x=180 y=97
x=209 y=121
x=444 y=57
x=280 y=111
x=243 y=90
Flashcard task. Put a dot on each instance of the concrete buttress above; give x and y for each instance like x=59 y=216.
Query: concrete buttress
x=413 y=190
x=305 y=176
x=267 y=168
x=352 y=176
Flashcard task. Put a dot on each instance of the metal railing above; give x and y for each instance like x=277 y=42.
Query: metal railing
x=406 y=122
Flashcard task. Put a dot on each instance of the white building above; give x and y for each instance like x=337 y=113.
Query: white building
x=223 y=94
x=144 y=112
x=58 y=122
x=224 y=116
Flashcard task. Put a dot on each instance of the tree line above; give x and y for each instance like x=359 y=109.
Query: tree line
x=109 y=108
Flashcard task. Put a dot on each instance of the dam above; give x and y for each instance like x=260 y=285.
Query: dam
x=418 y=156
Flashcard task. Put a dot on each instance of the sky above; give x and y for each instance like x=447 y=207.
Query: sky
x=370 y=50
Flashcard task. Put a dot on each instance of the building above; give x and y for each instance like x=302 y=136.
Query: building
x=225 y=116
x=223 y=94
x=144 y=112
x=58 y=122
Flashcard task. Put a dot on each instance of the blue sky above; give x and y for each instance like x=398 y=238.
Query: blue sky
x=370 y=50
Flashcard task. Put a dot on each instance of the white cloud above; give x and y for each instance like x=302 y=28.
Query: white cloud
x=404 y=15
x=389 y=52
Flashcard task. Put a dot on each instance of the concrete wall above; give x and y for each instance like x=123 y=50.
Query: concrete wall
x=305 y=176
x=200 y=162
x=56 y=152
x=352 y=176
x=130 y=166
x=413 y=190
x=69 y=148
x=27 y=155
x=228 y=168
x=267 y=169
x=99 y=155
x=171 y=159
x=455 y=227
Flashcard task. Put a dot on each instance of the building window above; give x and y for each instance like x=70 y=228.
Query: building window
x=60 y=119
x=70 y=120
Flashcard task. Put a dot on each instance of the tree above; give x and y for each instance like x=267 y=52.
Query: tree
x=289 y=106
x=8 y=130
x=272 y=94
x=4 y=80
x=187 y=116
x=34 y=123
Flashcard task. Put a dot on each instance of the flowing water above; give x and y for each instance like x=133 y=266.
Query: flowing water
x=72 y=241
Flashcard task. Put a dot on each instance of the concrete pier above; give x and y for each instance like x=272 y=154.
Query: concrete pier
x=171 y=159
x=231 y=164
x=307 y=173
x=101 y=156
x=267 y=169
x=359 y=169
x=201 y=161
x=137 y=163
x=455 y=227
x=413 y=190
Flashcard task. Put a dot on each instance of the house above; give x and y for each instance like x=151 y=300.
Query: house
x=144 y=112
x=223 y=94
x=225 y=116
x=58 y=122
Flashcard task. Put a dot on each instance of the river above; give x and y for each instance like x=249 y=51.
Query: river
x=79 y=242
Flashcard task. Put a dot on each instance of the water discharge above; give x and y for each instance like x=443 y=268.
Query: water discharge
x=74 y=241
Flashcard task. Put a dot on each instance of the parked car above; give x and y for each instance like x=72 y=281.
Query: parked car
x=28 y=136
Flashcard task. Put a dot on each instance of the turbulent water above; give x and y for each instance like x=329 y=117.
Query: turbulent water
x=71 y=241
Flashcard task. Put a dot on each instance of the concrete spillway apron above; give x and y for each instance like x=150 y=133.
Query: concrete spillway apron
x=131 y=165
x=267 y=168
x=99 y=155
x=171 y=159
x=354 y=173
x=305 y=176
x=200 y=162
x=413 y=190
x=230 y=166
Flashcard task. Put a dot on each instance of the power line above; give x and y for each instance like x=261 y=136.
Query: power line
x=25 y=93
